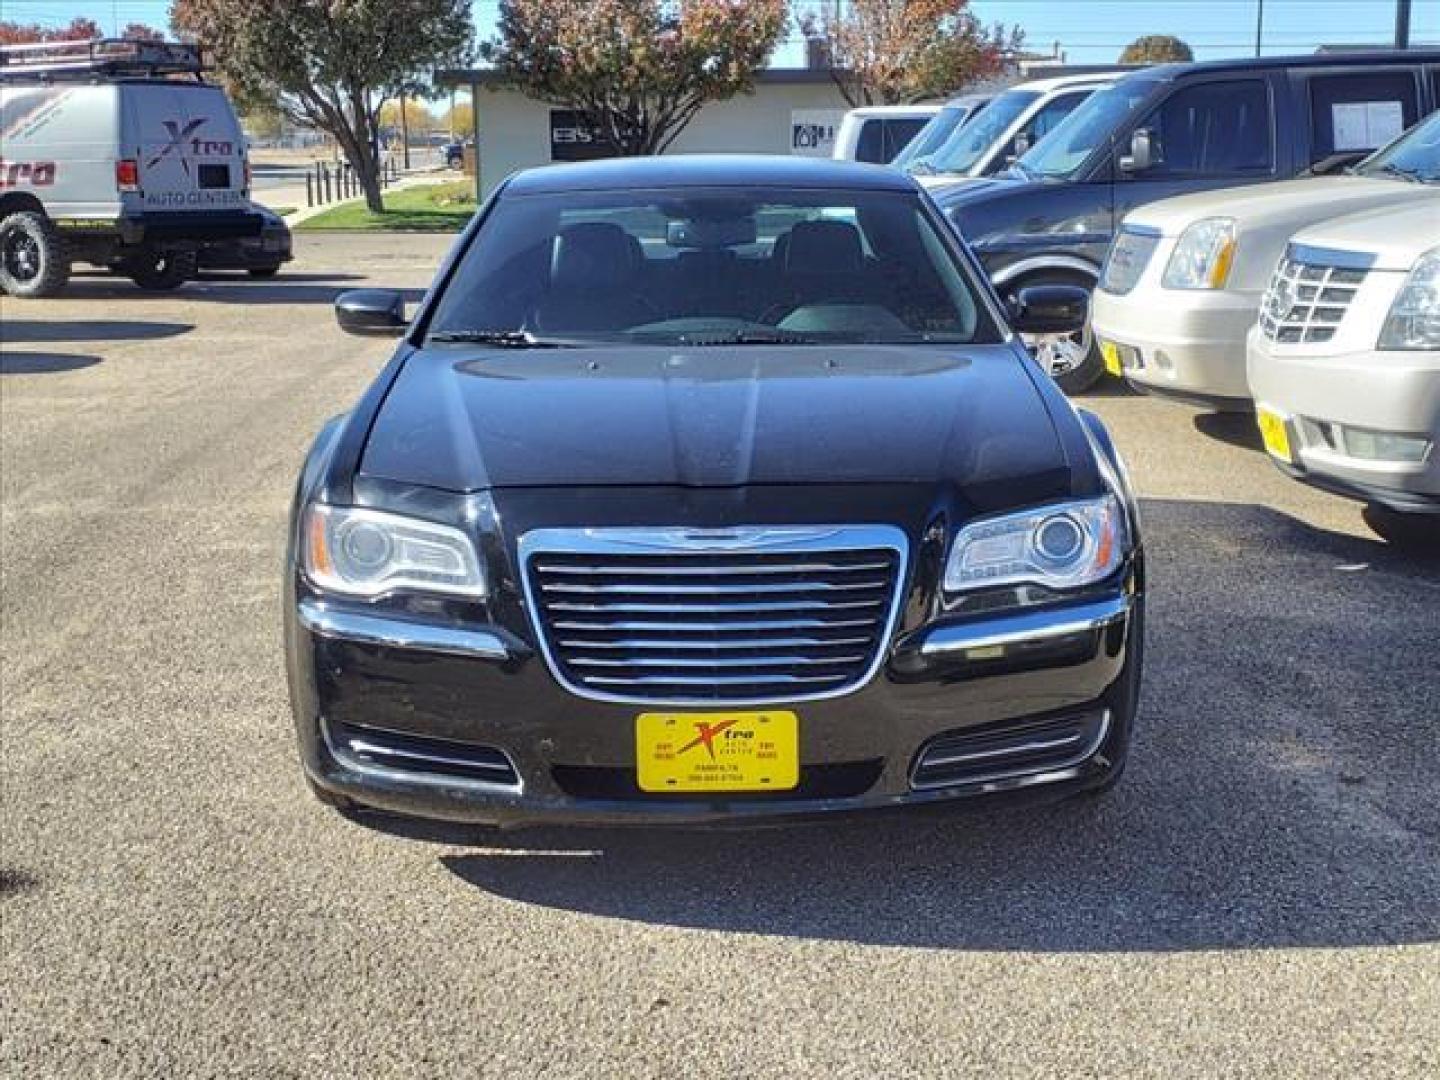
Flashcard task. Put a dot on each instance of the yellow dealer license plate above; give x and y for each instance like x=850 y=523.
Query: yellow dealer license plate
x=1275 y=433
x=1111 y=354
x=720 y=751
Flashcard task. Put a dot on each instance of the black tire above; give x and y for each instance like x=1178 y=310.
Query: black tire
x=264 y=271
x=1088 y=369
x=34 y=258
x=161 y=271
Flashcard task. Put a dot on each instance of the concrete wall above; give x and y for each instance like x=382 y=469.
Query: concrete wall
x=515 y=130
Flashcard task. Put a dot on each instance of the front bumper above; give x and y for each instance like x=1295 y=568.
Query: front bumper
x=1187 y=345
x=1318 y=396
x=538 y=753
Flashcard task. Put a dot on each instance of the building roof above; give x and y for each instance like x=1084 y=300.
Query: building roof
x=707 y=170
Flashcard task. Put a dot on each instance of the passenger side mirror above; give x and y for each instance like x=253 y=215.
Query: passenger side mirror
x=1019 y=147
x=1141 y=155
x=371 y=312
x=1049 y=309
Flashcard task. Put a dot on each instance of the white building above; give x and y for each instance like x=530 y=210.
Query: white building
x=792 y=110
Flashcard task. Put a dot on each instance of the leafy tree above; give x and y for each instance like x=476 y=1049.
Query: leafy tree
x=141 y=32
x=1156 y=49
x=79 y=29
x=638 y=70
x=329 y=64
x=459 y=119
x=892 y=51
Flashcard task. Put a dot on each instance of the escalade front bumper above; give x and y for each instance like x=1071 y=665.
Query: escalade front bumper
x=468 y=723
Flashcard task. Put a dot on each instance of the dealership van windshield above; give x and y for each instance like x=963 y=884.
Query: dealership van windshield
x=1061 y=153
x=971 y=140
x=711 y=267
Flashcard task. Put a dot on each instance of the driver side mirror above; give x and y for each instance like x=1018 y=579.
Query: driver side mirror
x=1019 y=147
x=1142 y=152
x=371 y=312
x=1049 y=309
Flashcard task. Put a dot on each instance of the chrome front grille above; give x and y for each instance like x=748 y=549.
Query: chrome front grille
x=714 y=616
x=1307 y=301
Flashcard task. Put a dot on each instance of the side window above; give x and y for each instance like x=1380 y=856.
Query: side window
x=1360 y=110
x=898 y=134
x=1049 y=117
x=871 y=144
x=1213 y=129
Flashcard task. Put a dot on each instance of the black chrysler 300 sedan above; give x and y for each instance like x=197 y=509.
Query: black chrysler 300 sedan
x=704 y=489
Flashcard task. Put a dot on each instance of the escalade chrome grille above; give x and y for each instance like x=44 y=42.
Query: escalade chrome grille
x=1307 y=301
x=723 y=616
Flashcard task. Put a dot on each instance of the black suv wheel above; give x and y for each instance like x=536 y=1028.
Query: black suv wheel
x=34 y=261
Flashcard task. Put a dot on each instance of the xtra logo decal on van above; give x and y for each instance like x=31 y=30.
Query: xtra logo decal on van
x=179 y=134
x=26 y=174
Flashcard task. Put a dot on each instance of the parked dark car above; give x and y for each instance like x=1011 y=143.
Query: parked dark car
x=710 y=488
x=260 y=256
x=1166 y=131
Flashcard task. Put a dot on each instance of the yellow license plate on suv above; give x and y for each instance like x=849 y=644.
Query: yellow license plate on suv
x=1275 y=433
x=719 y=751
x=1110 y=352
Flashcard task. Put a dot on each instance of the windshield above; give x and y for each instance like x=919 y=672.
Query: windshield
x=1060 y=154
x=941 y=126
x=1413 y=156
x=968 y=144
x=710 y=266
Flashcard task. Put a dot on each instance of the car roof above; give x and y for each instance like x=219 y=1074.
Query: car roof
x=1266 y=63
x=972 y=99
x=707 y=170
x=919 y=108
x=1064 y=82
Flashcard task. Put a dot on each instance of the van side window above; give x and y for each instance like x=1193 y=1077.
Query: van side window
x=1046 y=120
x=1213 y=129
x=870 y=146
x=899 y=132
x=1360 y=110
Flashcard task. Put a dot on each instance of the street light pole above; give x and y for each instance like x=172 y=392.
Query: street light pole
x=1259 y=23
x=1402 y=24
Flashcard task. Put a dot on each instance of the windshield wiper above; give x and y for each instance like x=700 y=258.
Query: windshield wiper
x=505 y=339
x=1412 y=175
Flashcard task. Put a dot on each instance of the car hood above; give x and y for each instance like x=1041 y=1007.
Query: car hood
x=473 y=419
x=1286 y=204
x=961 y=191
x=1395 y=236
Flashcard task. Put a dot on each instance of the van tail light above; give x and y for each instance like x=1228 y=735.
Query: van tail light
x=127 y=174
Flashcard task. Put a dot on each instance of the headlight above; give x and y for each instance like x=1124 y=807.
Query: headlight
x=1061 y=547
x=1414 y=319
x=1203 y=256
x=367 y=553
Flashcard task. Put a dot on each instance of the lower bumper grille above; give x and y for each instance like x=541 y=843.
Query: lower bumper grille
x=373 y=747
x=1009 y=750
x=723 y=616
x=840 y=780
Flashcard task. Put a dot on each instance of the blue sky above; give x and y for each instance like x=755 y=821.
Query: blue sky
x=1090 y=31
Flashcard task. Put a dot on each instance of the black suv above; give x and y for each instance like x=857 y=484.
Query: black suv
x=1171 y=130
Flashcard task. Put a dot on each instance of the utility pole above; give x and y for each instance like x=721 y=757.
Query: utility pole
x=1259 y=24
x=1402 y=24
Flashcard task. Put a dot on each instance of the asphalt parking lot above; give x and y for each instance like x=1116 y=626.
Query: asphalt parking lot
x=1261 y=896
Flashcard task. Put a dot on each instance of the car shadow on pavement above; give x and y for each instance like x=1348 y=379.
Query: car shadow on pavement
x=43 y=363
x=231 y=290
x=1281 y=790
x=89 y=330
x=1236 y=428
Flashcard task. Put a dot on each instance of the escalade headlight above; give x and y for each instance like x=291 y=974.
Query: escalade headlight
x=1203 y=256
x=1414 y=319
x=1063 y=546
x=367 y=554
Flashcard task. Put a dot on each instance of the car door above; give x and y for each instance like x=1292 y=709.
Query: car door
x=1204 y=134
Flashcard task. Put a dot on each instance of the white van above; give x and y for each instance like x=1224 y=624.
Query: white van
x=876 y=133
x=1011 y=123
x=114 y=153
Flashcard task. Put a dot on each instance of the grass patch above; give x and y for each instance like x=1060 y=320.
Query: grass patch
x=430 y=208
x=281 y=211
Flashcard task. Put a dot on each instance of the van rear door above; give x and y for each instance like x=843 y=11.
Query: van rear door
x=189 y=147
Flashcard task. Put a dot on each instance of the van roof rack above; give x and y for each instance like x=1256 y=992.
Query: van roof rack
x=99 y=58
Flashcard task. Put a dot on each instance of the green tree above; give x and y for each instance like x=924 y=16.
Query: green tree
x=329 y=64
x=891 y=51
x=1156 y=49
x=638 y=70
